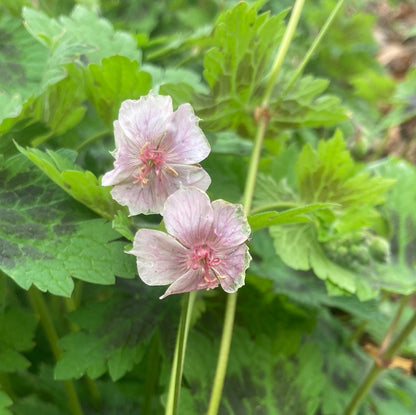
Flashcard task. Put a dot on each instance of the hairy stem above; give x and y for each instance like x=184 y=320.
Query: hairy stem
x=179 y=356
x=39 y=307
x=383 y=357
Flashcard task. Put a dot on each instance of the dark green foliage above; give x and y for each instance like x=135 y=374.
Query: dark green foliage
x=46 y=236
x=333 y=239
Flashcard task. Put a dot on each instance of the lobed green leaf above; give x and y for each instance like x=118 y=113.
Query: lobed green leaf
x=46 y=237
x=83 y=186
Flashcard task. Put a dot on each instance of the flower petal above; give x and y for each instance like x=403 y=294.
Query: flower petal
x=232 y=268
x=185 y=142
x=188 y=216
x=160 y=258
x=146 y=119
x=127 y=159
x=188 y=175
x=191 y=281
x=230 y=224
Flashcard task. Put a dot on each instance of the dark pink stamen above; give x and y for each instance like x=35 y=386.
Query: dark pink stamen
x=153 y=160
x=203 y=258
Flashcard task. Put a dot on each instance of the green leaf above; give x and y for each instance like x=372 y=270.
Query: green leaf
x=260 y=374
x=303 y=105
x=297 y=214
x=239 y=54
x=83 y=32
x=32 y=404
x=115 y=80
x=82 y=354
x=243 y=46
x=123 y=224
x=399 y=208
x=46 y=237
x=61 y=107
x=5 y=402
x=114 y=334
x=21 y=74
x=299 y=248
x=17 y=330
x=329 y=174
x=83 y=186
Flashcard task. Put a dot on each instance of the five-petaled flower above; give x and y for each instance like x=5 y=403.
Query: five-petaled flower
x=157 y=151
x=206 y=245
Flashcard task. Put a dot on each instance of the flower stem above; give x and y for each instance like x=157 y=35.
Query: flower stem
x=284 y=46
x=385 y=356
x=39 y=307
x=226 y=338
x=179 y=356
x=312 y=49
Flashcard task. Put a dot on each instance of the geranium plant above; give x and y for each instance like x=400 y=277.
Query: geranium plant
x=201 y=212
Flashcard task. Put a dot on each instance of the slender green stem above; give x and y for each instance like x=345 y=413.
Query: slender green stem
x=232 y=298
x=403 y=335
x=254 y=165
x=312 y=48
x=284 y=46
x=39 y=306
x=363 y=389
x=247 y=202
x=94 y=392
x=377 y=368
x=388 y=336
x=179 y=356
x=222 y=362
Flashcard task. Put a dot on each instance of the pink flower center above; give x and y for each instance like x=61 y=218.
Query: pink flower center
x=153 y=160
x=203 y=258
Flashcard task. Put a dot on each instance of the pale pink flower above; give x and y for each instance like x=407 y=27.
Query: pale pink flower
x=206 y=245
x=157 y=151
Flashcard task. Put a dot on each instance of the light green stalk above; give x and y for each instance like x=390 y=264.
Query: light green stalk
x=179 y=356
x=224 y=352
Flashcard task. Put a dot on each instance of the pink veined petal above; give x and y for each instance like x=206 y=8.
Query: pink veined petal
x=188 y=175
x=137 y=199
x=191 y=281
x=230 y=226
x=232 y=267
x=160 y=258
x=185 y=142
x=188 y=216
x=120 y=138
x=127 y=160
x=146 y=119
x=157 y=190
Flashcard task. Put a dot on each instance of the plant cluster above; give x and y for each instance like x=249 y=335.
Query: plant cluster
x=204 y=145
